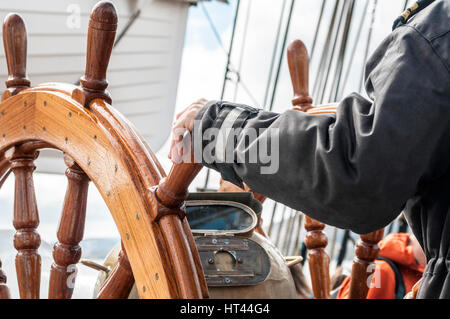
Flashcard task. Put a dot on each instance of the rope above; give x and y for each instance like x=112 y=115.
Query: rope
x=316 y=33
x=283 y=47
x=340 y=64
x=244 y=41
x=275 y=49
x=355 y=45
x=320 y=72
x=369 y=38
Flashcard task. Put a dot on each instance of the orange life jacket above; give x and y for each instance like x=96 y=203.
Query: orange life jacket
x=394 y=247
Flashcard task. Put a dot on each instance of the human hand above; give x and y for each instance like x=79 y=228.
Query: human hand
x=184 y=122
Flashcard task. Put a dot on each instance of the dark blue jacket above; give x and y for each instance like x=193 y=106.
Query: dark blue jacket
x=360 y=168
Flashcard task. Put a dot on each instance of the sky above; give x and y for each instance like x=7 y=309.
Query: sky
x=201 y=75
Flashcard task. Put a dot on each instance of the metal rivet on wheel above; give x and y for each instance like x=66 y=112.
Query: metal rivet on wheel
x=138 y=216
x=143 y=288
x=210 y=261
x=156 y=276
x=128 y=236
x=45 y=103
x=25 y=103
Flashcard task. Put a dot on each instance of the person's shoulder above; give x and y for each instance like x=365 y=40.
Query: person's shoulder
x=427 y=24
x=433 y=21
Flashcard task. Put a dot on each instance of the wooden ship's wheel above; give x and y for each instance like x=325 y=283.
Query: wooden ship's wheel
x=101 y=147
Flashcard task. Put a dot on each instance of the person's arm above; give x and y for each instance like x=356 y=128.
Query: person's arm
x=356 y=169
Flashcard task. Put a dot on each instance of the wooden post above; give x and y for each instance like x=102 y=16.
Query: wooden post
x=366 y=251
x=318 y=260
x=298 y=62
x=316 y=240
x=101 y=35
x=15 y=44
x=26 y=220
x=67 y=252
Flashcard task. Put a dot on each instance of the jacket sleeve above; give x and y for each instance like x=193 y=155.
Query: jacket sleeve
x=355 y=169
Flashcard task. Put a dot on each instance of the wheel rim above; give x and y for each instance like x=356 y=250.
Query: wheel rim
x=120 y=165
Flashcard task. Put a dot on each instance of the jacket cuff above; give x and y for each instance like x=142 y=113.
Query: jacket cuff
x=215 y=132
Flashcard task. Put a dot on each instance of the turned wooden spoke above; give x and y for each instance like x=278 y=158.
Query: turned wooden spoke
x=120 y=281
x=4 y=291
x=316 y=240
x=26 y=220
x=101 y=35
x=15 y=44
x=298 y=62
x=169 y=196
x=318 y=260
x=366 y=251
x=67 y=252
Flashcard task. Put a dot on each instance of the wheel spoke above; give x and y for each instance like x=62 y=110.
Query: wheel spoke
x=366 y=251
x=67 y=252
x=26 y=220
x=318 y=260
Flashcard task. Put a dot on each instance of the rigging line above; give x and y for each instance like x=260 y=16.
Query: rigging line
x=292 y=232
x=241 y=55
x=319 y=23
x=274 y=54
x=340 y=65
x=343 y=249
x=293 y=236
x=333 y=242
x=213 y=27
x=130 y=22
x=230 y=65
x=369 y=38
x=330 y=58
x=319 y=76
x=269 y=231
x=288 y=234
x=355 y=45
x=405 y=5
x=277 y=76
x=280 y=226
x=250 y=95
x=227 y=69
x=298 y=239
